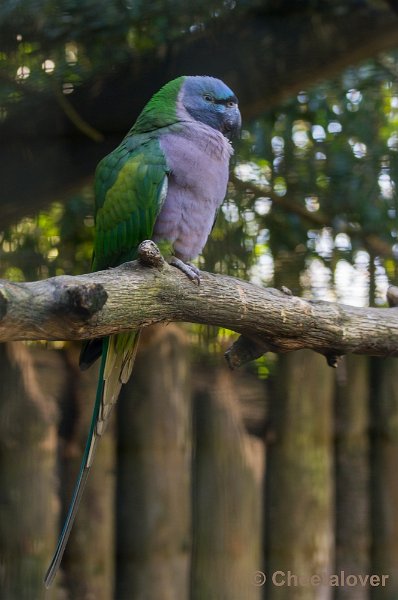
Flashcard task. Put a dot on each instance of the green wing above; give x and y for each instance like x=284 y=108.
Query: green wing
x=130 y=187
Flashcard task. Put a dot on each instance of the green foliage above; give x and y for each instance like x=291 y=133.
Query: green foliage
x=325 y=166
x=46 y=43
x=55 y=242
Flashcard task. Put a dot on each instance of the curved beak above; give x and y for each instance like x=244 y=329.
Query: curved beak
x=232 y=123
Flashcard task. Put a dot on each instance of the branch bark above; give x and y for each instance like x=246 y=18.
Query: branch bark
x=149 y=291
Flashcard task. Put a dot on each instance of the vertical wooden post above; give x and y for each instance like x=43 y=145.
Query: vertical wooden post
x=227 y=518
x=154 y=459
x=352 y=473
x=27 y=473
x=299 y=477
x=384 y=475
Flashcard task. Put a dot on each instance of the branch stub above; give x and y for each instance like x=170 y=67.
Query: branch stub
x=3 y=305
x=392 y=295
x=82 y=301
x=149 y=254
x=244 y=350
x=333 y=360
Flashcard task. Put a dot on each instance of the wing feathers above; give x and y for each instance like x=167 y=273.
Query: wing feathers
x=130 y=186
x=128 y=208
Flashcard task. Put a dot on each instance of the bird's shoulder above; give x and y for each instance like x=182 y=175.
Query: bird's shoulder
x=130 y=188
x=136 y=158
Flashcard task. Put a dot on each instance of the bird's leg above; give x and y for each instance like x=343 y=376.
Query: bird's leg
x=167 y=251
x=192 y=272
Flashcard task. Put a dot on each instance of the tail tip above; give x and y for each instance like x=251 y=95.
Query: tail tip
x=49 y=576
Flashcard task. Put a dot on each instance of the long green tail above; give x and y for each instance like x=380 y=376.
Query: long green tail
x=118 y=355
x=83 y=474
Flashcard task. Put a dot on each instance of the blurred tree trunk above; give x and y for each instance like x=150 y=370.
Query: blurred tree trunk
x=227 y=517
x=384 y=479
x=299 y=494
x=88 y=563
x=352 y=473
x=27 y=469
x=154 y=458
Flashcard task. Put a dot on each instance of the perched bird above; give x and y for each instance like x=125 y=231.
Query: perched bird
x=165 y=182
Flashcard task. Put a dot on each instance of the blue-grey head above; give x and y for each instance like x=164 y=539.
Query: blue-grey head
x=210 y=101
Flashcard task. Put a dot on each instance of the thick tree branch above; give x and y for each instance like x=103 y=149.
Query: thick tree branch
x=150 y=291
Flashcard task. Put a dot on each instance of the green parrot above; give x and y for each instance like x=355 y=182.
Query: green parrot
x=165 y=182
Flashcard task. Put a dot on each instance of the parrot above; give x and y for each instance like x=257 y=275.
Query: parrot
x=165 y=182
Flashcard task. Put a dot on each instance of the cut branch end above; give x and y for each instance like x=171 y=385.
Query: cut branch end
x=149 y=254
x=244 y=350
x=392 y=295
x=82 y=301
x=3 y=305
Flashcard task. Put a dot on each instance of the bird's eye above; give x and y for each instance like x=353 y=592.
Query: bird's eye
x=208 y=98
x=230 y=104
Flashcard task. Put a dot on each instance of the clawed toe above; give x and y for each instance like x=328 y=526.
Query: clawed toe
x=191 y=271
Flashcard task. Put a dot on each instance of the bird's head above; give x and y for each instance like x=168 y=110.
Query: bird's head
x=210 y=101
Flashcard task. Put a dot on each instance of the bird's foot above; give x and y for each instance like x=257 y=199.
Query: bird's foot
x=192 y=272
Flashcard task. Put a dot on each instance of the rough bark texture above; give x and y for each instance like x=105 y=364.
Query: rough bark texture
x=153 y=468
x=27 y=471
x=352 y=524
x=227 y=519
x=134 y=296
x=299 y=486
x=384 y=488
x=88 y=564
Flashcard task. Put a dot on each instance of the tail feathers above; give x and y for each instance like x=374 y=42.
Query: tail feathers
x=129 y=358
x=90 y=352
x=63 y=540
x=118 y=355
x=119 y=364
x=81 y=480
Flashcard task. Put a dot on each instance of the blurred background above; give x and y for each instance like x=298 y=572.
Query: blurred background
x=206 y=476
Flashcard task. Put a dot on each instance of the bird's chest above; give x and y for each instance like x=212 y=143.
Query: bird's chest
x=197 y=185
x=199 y=163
